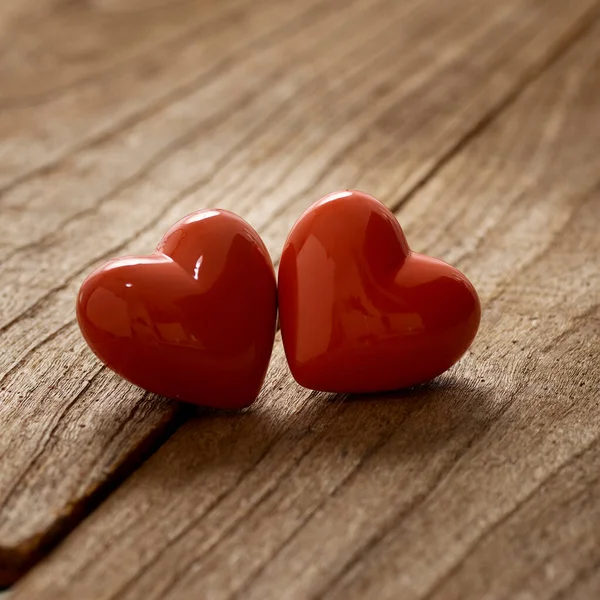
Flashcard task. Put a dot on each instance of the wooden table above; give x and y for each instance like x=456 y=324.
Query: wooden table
x=478 y=123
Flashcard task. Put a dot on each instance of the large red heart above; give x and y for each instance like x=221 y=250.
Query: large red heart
x=360 y=312
x=193 y=321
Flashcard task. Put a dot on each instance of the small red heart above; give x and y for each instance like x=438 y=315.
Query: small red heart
x=359 y=311
x=193 y=321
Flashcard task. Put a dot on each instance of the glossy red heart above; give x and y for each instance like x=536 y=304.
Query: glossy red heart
x=359 y=311
x=193 y=321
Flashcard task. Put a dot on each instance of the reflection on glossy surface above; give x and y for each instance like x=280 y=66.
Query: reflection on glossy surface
x=194 y=321
x=360 y=312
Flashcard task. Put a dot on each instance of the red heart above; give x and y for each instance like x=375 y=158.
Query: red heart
x=193 y=321
x=359 y=311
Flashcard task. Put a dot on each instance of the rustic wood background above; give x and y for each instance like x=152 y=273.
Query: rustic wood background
x=478 y=122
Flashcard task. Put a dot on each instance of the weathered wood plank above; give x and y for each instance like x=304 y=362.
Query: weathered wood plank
x=58 y=412
x=484 y=482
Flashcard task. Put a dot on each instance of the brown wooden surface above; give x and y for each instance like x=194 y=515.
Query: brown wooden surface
x=479 y=122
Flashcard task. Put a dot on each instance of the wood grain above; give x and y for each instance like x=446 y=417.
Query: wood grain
x=483 y=483
x=55 y=401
